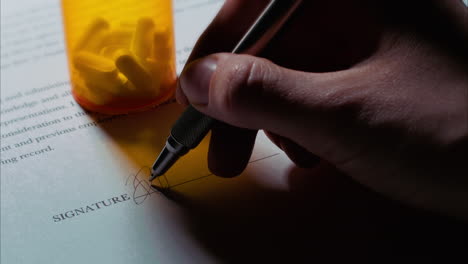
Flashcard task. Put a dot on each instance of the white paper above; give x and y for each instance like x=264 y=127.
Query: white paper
x=73 y=185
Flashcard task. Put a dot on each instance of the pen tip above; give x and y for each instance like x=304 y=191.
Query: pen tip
x=152 y=177
x=164 y=161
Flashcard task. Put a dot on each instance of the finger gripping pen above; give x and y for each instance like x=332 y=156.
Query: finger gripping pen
x=192 y=126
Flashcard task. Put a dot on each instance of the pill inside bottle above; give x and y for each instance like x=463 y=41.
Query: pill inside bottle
x=121 y=53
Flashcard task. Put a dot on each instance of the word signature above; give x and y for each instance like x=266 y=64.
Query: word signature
x=142 y=188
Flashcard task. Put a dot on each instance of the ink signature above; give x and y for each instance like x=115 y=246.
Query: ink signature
x=142 y=188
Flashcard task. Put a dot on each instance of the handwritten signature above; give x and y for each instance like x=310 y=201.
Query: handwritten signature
x=142 y=188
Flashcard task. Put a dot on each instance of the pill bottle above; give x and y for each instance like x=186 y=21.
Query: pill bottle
x=121 y=53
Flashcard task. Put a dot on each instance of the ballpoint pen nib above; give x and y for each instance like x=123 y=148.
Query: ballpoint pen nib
x=155 y=172
x=152 y=177
x=164 y=161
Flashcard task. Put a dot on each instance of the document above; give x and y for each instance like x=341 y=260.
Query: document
x=74 y=184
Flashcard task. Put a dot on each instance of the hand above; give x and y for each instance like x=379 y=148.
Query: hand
x=379 y=89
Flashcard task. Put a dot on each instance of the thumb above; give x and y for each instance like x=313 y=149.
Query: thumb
x=254 y=93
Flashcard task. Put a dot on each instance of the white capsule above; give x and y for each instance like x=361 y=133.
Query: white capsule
x=164 y=75
x=141 y=43
x=119 y=37
x=87 y=91
x=110 y=51
x=162 y=46
x=98 y=72
x=96 y=95
x=136 y=74
x=92 y=38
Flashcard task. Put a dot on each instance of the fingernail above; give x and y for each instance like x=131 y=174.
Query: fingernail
x=195 y=80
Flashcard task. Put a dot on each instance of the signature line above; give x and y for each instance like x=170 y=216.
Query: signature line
x=142 y=189
x=211 y=174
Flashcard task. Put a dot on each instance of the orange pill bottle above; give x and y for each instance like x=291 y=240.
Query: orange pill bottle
x=121 y=53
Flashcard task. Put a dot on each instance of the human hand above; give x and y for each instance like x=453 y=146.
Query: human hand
x=379 y=89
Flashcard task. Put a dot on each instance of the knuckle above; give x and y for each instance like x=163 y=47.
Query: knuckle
x=344 y=102
x=243 y=78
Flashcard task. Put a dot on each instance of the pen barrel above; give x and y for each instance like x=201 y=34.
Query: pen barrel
x=266 y=26
x=191 y=127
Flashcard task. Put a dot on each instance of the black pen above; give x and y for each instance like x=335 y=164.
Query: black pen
x=192 y=126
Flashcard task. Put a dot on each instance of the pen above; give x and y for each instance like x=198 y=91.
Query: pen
x=192 y=126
